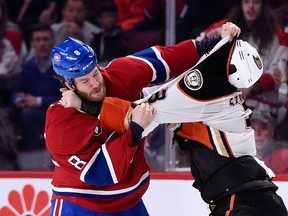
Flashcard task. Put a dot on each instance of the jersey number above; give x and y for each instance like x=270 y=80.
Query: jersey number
x=76 y=162
x=160 y=95
x=235 y=100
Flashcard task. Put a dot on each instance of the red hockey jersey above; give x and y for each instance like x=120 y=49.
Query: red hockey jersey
x=99 y=169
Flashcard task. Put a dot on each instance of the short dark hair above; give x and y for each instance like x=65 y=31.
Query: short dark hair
x=64 y=3
x=41 y=27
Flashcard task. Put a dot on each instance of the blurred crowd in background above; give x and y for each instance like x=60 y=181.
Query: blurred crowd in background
x=114 y=28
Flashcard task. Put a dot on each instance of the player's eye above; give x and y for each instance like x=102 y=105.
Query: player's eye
x=96 y=74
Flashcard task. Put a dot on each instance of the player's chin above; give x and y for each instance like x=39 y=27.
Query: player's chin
x=95 y=97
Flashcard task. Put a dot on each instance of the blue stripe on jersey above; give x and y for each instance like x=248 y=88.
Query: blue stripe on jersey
x=99 y=173
x=157 y=63
x=72 y=209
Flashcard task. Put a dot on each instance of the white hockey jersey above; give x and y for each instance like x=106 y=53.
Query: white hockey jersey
x=203 y=94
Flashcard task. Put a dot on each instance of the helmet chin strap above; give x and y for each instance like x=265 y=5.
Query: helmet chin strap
x=73 y=88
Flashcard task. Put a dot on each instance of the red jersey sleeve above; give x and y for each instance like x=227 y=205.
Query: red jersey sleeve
x=127 y=76
x=179 y=57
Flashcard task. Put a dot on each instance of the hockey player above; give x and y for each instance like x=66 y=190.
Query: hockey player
x=98 y=171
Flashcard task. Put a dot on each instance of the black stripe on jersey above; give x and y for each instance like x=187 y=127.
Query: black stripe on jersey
x=211 y=138
x=226 y=145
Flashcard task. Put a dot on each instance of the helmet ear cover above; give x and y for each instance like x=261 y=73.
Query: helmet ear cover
x=232 y=69
x=246 y=66
x=72 y=59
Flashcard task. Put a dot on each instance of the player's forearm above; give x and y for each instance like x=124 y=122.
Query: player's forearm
x=137 y=131
x=206 y=45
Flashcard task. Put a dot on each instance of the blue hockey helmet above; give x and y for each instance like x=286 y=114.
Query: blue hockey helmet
x=72 y=59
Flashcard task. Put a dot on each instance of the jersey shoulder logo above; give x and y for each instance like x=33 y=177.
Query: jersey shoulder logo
x=98 y=130
x=193 y=80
